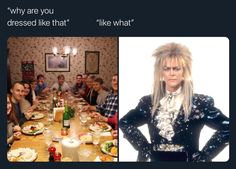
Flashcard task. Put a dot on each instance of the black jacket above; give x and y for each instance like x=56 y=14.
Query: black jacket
x=186 y=132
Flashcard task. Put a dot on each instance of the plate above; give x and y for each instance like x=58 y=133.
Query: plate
x=33 y=129
x=109 y=148
x=86 y=137
x=37 y=115
x=44 y=101
x=56 y=138
x=22 y=155
x=99 y=126
x=41 y=107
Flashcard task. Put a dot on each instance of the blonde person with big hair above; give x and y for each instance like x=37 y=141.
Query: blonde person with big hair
x=174 y=114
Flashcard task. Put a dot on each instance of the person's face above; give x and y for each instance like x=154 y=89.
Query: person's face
x=61 y=81
x=114 y=83
x=41 y=81
x=173 y=74
x=84 y=79
x=27 y=89
x=9 y=106
x=33 y=84
x=89 y=83
x=18 y=91
x=96 y=86
x=78 y=79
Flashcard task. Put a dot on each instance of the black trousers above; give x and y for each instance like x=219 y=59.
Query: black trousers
x=168 y=156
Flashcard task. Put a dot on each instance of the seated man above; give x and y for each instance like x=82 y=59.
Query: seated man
x=78 y=87
x=17 y=92
x=110 y=107
x=84 y=80
x=90 y=94
x=41 y=86
x=98 y=87
x=61 y=85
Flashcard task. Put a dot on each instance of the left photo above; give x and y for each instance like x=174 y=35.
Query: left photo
x=62 y=99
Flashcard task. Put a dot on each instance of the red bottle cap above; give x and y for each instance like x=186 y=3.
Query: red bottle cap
x=52 y=149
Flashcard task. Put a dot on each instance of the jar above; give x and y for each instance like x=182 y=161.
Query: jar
x=64 y=131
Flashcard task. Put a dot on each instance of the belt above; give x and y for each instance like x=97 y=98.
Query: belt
x=168 y=147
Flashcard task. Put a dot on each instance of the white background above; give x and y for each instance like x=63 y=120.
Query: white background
x=210 y=57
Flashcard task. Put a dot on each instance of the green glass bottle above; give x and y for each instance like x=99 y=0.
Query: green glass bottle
x=66 y=117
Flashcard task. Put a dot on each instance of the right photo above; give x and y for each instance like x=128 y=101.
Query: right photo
x=174 y=99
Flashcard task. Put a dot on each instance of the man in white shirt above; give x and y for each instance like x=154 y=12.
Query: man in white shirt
x=61 y=85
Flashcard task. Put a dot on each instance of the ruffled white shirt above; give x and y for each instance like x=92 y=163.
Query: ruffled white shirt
x=168 y=112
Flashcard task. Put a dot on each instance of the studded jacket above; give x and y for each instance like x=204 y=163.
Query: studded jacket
x=187 y=132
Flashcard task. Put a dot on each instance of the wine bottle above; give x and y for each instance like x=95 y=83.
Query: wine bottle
x=66 y=117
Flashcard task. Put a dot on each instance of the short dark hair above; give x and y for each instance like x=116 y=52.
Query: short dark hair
x=61 y=76
x=79 y=75
x=40 y=76
x=99 y=80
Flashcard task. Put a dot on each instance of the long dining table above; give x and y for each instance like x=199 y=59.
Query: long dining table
x=86 y=151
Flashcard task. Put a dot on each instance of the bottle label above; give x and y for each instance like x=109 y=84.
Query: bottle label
x=66 y=123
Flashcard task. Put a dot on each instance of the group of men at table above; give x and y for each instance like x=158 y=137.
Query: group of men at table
x=22 y=99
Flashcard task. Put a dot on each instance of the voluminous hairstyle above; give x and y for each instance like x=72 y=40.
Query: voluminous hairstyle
x=181 y=54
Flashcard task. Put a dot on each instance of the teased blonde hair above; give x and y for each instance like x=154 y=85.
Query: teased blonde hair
x=182 y=55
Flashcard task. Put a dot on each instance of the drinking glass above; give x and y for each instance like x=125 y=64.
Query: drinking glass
x=48 y=134
x=50 y=118
x=84 y=154
x=96 y=137
x=83 y=118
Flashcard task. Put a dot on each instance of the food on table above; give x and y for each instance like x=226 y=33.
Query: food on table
x=113 y=151
x=33 y=129
x=41 y=106
x=106 y=158
x=22 y=155
x=94 y=114
x=86 y=138
x=109 y=148
x=100 y=126
x=37 y=115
